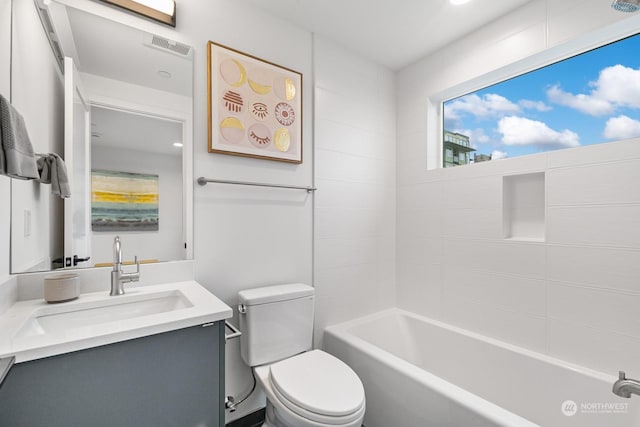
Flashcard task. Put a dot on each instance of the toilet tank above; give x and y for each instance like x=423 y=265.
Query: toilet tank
x=276 y=322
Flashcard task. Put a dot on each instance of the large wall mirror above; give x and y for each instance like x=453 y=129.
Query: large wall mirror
x=126 y=139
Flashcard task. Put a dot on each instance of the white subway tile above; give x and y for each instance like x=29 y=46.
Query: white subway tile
x=472 y=223
x=347 y=167
x=510 y=292
x=520 y=259
x=345 y=223
x=421 y=196
x=593 y=266
x=336 y=68
x=602 y=183
x=516 y=328
x=473 y=193
x=420 y=223
x=605 y=310
x=420 y=250
x=601 y=350
x=346 y=109
x=331 y=253
x=420 y=288
x=617 y=225
x=343 y=138
x=341 y=194
x=597 y=153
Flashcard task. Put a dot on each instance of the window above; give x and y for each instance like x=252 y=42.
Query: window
x=587 y=99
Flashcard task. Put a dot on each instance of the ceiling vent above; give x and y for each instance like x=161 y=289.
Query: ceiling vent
x=169 y=46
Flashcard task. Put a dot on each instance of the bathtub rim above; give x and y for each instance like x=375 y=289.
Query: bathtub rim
x=345 y=326
x=491 y=411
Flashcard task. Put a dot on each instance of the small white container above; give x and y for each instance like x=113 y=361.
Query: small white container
x=62 y=287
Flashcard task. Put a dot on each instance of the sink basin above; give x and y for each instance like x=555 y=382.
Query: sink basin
x=116 y=309
x=33 y=329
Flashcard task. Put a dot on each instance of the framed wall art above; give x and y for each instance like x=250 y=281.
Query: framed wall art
x=255 y=106
x=123 y=201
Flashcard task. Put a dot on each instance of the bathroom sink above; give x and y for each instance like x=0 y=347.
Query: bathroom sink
x=112 y=310
x=33 y=329
x=117 y=309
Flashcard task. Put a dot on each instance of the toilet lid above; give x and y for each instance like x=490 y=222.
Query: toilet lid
x=318 y=382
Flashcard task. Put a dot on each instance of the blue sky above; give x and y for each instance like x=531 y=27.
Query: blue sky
x=588 y=99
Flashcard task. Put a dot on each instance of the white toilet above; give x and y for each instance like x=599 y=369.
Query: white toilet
x=304 y=388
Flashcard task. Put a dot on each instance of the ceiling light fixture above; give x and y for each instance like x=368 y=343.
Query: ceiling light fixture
x=163 y=11
x=178 y=144
x=626 y=5
x=459 y=2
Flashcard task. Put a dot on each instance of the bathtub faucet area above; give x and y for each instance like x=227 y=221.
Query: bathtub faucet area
x=625 y=387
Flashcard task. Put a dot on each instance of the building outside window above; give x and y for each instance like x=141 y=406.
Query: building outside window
x=456 y=149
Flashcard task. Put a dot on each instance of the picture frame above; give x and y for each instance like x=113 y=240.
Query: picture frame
x=254 y=106
x=124 y=201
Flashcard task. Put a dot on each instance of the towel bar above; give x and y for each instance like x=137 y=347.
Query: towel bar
x=203 y=181
x=235 y=332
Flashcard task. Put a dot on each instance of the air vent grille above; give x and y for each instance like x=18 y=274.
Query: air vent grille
x=171 y=46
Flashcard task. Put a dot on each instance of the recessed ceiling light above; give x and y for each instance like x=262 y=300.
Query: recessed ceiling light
x=458 y=2
x=177 y=144
x=164 y=74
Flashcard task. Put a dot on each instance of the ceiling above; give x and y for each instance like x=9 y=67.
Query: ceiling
x=121 y=129
x=394 y=33
x=109 y=49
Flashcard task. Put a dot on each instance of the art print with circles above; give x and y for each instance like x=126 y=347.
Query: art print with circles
x=255 y=107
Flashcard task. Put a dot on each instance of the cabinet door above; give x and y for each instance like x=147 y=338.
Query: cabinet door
x=170 y=379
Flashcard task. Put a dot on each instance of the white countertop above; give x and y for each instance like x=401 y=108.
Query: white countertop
x=205 y=308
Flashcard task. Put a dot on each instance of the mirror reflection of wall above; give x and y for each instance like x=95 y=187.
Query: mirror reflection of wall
x=126 y=142
x=139 y=90
x=37 y=92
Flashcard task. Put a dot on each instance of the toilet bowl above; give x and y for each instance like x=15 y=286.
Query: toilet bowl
x=304 y=387
x=313 y=389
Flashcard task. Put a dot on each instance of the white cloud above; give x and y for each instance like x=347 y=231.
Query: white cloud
x=497 y=155
x=617 y=86
x=490 y=105
x=522 y=131
x=587 y=104
x=622 y=127
x=534 y=105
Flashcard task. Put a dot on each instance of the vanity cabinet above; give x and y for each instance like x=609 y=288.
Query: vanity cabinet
x=174 y=378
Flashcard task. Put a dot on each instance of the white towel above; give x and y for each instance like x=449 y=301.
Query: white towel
x=53 y=171
x=17 y=159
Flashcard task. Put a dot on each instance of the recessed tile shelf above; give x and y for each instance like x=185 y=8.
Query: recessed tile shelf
x=523 y=207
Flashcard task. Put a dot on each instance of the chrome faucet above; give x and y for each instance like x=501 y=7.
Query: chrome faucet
x=118 y=276
x=625 y=387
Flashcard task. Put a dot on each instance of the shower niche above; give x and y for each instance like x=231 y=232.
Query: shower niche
x=524 y=207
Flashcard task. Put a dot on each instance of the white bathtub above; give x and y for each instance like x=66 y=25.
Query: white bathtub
x=419 y=372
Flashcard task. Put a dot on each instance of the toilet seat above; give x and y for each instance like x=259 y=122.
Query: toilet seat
x=317 y=387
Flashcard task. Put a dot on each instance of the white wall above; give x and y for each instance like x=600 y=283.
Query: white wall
x=167 y=243
x=247 y=237
x=127 y=95
x=37 y=93
x=356 y=180
x=5 y=90
x=571 y=296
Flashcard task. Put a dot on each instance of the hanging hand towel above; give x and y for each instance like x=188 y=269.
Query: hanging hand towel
x=53 y=171
x=16 y=152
